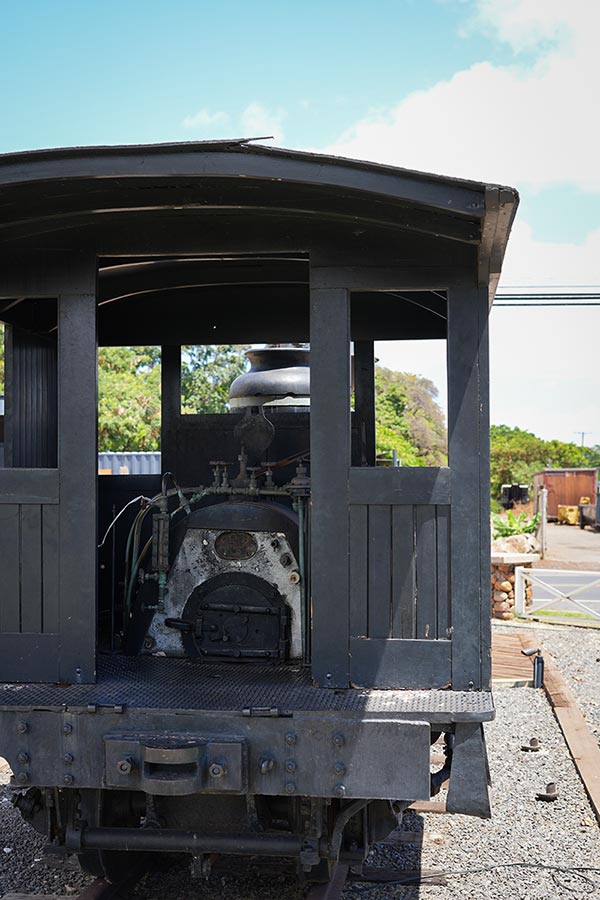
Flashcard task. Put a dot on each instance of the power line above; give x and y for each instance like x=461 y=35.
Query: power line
x=539 y=295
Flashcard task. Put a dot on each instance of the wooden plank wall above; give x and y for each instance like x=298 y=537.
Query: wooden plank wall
x=399 y=571
x=28 y=550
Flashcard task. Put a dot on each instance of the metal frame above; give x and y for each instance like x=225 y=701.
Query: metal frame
x=52 y=633
x=537 y=576
x=453 y=236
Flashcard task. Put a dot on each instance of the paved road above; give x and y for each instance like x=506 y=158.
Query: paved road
x=571 y=546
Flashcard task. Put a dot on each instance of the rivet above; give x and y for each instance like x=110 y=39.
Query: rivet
x=68 y=779
x=290 y=787
x=23 y=757
x=22 y=727
x=340 y=790
x=68 y=759
x=22 y=777
x=291 y=766
x=291 y=738
x=67 y=728
x=338 y=740
x=339 y=768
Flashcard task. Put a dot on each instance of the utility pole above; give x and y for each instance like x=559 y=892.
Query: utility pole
x=583 y=434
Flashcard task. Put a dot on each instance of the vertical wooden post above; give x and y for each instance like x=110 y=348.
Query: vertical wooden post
x=468 y=452
x=330 y=463
x=364 y=403
x=170 y=374
x=78 y=465
x=9 y=392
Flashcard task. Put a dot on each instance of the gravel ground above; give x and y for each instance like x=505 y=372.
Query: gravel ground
x=576 y=652
x=522 y=829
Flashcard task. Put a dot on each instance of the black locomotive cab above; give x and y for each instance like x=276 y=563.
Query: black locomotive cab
x=252 y=651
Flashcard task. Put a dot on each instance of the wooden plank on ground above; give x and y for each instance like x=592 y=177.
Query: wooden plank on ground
x=509 y=666
x=429 y=806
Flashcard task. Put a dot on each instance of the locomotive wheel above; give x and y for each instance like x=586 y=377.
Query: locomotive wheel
x=111 y=808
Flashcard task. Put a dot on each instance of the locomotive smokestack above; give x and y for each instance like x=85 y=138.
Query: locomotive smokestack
x=279 y=378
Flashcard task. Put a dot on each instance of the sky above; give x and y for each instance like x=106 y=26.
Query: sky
x=497 y=90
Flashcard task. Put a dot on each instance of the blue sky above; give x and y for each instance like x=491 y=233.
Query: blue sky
x=129 y=71
x=500 y=90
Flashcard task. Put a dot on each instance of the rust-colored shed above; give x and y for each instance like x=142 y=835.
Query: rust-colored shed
x=566 y=486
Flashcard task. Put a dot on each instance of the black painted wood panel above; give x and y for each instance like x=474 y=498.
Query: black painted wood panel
x=29 y=599
x=10 y=596
x=426 y=552
x=399 y=571
x=468 y=452
x=31 y=569
x=359 y=562
x=400 y=485
x=400 y=664
x=330 y=462
x=50 y=574
x=404 y=588
x=380 y=571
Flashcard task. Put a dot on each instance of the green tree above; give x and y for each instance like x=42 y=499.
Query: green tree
x=409 y=419
x=129 y=390
x=517 y=454
x=129 y=398
x=206 y=376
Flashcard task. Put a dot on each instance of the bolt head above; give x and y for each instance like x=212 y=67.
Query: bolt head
x=291 y=766
x=290 y=787
x=124 y=766
x=22 y=777
x=23 y=757
x=266 y=765
x=67 y=728
x=216 y=770
x=22 y=727
x=68 y=780
x=339 y=768
x=291 y=738
x=338 y=740
x=68 y=759
x=340 y=790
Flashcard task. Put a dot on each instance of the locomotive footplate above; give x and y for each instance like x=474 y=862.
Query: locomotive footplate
x=178 y=727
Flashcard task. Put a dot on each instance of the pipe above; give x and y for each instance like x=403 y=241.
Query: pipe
x=301 y=550
x=161 y=840
x=340 y=823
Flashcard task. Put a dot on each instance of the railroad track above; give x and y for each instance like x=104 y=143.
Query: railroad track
x=344 y=874
x=98 y=890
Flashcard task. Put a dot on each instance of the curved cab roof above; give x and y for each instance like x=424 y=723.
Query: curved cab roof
x=161 y=218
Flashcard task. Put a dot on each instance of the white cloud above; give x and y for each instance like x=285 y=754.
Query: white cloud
x=204 y=118
x=529 y=124
x=531 y=262
x=258 y=121
x=525 y=24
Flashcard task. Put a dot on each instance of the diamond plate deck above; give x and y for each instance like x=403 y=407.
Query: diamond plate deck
x=157 y=683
